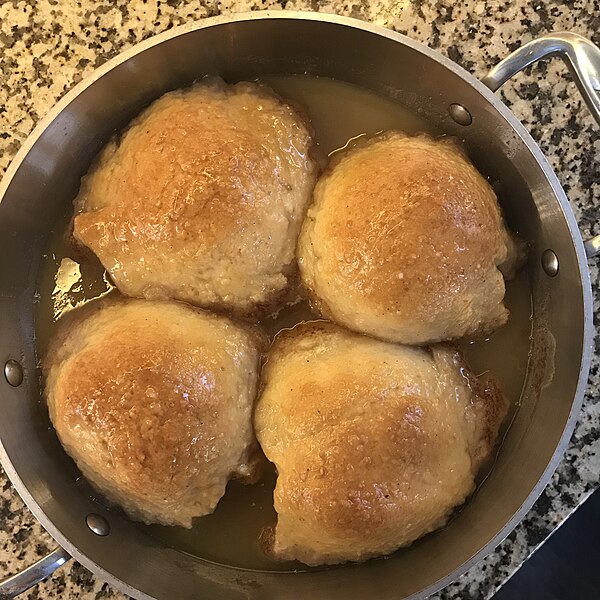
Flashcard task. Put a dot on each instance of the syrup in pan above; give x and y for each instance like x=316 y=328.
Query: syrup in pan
x=339 y=113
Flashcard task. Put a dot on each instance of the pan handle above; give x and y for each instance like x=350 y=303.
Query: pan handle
x=16 y=584
x=581 y=55
x=583 y=59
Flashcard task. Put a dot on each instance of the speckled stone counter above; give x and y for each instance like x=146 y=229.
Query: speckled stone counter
x=48 y=46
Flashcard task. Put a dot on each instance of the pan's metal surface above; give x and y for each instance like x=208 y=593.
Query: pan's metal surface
x=44 y=177
x=34 y=574
x=581 y=56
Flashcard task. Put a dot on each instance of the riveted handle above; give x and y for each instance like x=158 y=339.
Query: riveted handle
x=583 y=59
x=36 y=573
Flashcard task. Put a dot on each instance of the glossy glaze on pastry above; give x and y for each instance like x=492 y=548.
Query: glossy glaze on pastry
x=153 y=400
x=405 y=241
x=374 y=443
x=202 y=198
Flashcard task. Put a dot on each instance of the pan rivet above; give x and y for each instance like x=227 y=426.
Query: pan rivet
x=98 y=524
x=13 y=372
x=460 y=114
x=550 y=263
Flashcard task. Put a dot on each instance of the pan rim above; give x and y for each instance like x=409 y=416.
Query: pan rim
x=497 y=104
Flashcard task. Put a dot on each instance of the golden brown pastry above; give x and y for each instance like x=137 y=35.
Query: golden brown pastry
x=374 y=443
x=405 y=241
x=202 y=199
x=153 y=400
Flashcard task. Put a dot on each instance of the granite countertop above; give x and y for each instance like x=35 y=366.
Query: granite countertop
x=47 y=46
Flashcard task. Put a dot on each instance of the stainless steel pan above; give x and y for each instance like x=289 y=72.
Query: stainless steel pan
x=44 y=178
